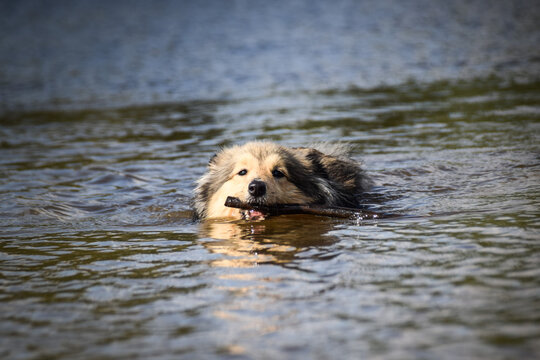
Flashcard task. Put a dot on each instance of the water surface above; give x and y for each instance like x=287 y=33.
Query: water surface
x=100 y=258
x=110 y=111
x=88 y=54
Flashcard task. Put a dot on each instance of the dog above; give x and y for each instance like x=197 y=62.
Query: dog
x=266 y=173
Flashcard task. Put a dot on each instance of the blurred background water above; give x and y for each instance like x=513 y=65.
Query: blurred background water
x=109 y=111
x=94 y=53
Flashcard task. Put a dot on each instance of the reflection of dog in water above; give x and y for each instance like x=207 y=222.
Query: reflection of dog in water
x=264 y=173
x=277 y=240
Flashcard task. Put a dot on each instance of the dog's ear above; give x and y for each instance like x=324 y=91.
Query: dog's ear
x=315 y=158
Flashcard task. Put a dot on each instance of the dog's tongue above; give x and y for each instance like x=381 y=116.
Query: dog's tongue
x=256 y=215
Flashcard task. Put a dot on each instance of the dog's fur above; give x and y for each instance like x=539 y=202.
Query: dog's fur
x=290 y=176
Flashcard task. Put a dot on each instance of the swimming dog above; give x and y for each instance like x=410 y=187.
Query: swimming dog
x=265 y=173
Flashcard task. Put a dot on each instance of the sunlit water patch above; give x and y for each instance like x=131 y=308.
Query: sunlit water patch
x=100 y=257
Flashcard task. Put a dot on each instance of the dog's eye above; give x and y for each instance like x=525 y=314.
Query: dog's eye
x=277 y=174
x=242 y=172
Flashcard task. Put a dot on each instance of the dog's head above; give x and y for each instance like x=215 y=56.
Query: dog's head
x=260 y=173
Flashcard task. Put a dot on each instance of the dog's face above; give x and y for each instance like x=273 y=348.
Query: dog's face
x=256 y=173
x=259 y=181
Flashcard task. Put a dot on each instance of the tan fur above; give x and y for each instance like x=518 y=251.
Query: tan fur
x=310 y=176
x=279 y=190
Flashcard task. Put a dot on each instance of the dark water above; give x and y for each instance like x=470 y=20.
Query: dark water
x=99 y=258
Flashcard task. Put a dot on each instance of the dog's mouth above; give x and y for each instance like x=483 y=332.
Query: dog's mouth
x=253 y=215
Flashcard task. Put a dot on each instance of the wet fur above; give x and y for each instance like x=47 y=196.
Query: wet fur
x=323 y=175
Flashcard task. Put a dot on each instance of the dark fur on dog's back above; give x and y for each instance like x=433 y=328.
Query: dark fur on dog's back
x=327 y=177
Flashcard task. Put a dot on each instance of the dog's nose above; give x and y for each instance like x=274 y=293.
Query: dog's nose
x=257 y=188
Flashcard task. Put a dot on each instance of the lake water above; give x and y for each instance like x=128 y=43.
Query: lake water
x=99 y=257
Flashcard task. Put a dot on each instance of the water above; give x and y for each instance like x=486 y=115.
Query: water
x=74 y=54
x=99 y=257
